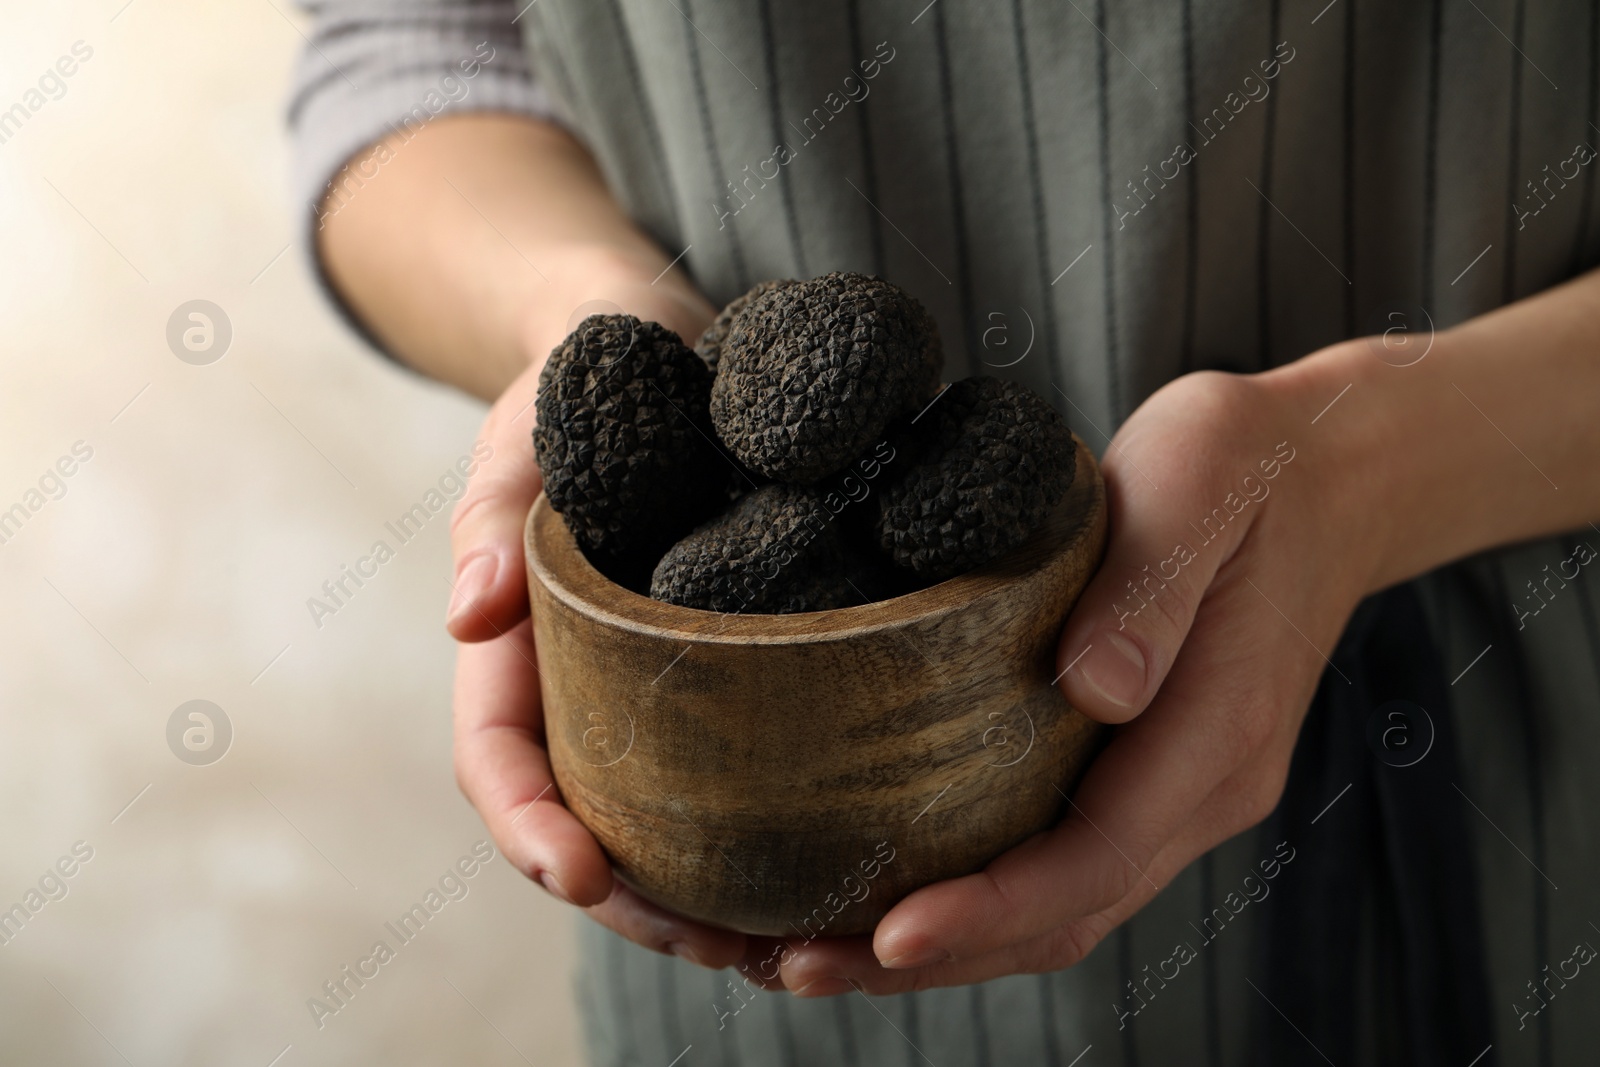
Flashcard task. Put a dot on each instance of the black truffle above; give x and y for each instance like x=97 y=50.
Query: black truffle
x=776 y=552
x=624 y=440
x=990 y=459
x=811 y=373
x=709 y=346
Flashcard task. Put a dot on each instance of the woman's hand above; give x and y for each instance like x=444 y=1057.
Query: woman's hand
x=500 y=756
x=1242 y=538
x=481 y=236
x=1249 y=516
x=470 y=253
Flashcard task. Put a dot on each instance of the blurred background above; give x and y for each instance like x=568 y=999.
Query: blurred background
x=243 y=851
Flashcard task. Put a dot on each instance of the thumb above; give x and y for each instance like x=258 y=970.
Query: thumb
x=489 y=593
x=1125 y=631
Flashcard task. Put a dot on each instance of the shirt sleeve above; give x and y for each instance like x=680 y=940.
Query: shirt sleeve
x=370 y=68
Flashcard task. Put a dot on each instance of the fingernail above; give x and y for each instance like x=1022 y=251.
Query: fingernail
x=1114 y=668
x=824 y=987
x=684 y=951
x=473 y=578
x=921 y=957
x=548 y=880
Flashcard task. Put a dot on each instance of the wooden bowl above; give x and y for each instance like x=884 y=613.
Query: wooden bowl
x=799 y=774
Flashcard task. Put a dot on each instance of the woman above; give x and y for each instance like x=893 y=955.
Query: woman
x=1375 y=218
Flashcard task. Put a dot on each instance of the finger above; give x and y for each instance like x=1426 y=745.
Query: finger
x=836 y=966
x=833 y=965
x=1222 y=703
x=763 y=960
x=503 y=769
x=652 y=926
x=505 y=772
x=1241 y=801
x=489 y=592
x=1176 y=519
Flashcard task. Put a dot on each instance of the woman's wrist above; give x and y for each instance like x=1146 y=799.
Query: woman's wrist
x=1452 y=442
x=602 y=279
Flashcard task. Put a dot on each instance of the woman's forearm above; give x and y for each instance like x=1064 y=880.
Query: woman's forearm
x=1490 y=438
x=476 y=240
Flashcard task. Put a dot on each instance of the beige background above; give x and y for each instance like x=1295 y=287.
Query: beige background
x=181 y=559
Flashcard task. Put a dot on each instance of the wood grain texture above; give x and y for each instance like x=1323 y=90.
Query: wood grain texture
x=798 y=774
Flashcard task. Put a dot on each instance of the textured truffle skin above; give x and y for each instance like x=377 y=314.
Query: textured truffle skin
x=709 y=347
x=812 y=373
x=776 y=552
x=990 y=461
x=623 y=439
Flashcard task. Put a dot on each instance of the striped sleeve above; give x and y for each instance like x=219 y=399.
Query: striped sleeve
x=371 y=66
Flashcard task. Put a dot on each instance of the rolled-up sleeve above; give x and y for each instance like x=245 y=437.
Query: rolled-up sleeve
x=371 y=68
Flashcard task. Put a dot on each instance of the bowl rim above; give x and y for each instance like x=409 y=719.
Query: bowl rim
x=552 y=555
